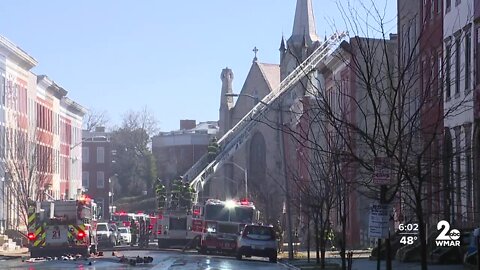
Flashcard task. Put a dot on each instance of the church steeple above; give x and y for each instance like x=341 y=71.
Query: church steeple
x=304 y=28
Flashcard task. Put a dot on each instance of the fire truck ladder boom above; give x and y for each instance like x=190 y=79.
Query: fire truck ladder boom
x=229 y=143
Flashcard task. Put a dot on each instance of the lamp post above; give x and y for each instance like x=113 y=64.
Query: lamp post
x=282 y=149
x=74 y=159
x=245 y=175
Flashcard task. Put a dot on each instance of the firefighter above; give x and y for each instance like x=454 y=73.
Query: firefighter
x=141 y=241
x=134 y=231
x=148 y=229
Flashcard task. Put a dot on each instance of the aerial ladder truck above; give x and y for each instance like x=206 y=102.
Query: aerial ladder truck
x=186 y=225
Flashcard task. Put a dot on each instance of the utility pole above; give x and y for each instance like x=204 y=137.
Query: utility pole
x=287 y=187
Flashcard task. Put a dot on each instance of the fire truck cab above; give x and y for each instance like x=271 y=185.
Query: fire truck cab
x=58 y=228
x=223 y=221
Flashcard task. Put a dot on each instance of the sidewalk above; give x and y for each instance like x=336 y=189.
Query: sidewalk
x=362 y=253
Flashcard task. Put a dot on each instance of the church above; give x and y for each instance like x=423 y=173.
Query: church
x=265 y=163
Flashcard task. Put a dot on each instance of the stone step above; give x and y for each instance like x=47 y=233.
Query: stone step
x=8 y=244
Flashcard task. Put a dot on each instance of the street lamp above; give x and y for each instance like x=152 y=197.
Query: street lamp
x=287 y=186
x=74 y=159
x=245 y=175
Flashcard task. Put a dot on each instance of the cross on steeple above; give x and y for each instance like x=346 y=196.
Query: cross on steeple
x=255 y=50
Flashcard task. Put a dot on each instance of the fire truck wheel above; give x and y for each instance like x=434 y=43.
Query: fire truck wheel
x=35 y=254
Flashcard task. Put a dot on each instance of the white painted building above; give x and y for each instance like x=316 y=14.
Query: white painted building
x=458 y=96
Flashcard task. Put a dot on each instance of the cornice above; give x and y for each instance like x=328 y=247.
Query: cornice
x=18 y=54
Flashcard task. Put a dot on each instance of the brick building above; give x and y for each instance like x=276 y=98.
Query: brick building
x=97 y=169
x=176 y=151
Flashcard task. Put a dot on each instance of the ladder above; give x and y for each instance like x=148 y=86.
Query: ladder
x=231 y=141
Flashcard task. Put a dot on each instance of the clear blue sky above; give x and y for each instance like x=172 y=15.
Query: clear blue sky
x=116 y=55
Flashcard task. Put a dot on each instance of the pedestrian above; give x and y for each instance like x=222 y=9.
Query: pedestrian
x=279 y=235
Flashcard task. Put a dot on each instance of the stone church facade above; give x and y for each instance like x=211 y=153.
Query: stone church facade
x=261 y=156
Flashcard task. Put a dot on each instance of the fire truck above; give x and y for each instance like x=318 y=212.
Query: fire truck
x=122 y=219
x=223 y=221
x=63 y=227
x=176 y=228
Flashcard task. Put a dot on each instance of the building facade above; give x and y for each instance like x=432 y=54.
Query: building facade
x=97 y=177
x=458 y=93
x=33 y=139
x=176 y=151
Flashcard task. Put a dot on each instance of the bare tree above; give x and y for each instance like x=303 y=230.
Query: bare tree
x=143 y=119
x=382 y=105
x=29 y=167
x=95 y=118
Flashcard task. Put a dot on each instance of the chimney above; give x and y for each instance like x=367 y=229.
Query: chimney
x=99 y=129
x=187 y=124
x=393 y=36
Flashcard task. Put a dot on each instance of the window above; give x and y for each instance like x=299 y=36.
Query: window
x=477 y=62
x=448 y=5
x=85 y=179
x=432 y=9
x=2 y=89
x=457 y=65
x=440 y=72
x=100 y=180
x=468 y=61
x=85 y=155
x=100 y=154
x=448 y=83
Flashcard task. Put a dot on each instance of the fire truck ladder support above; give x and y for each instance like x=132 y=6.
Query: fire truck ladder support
x=229 y=143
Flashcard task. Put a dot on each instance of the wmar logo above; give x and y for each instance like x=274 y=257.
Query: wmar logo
x=447 y=237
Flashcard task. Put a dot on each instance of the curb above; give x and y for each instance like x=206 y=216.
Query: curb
x=288 y=265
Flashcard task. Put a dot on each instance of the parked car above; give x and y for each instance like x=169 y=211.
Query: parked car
x=257 y=240
x=125 y=234
x=106 y=235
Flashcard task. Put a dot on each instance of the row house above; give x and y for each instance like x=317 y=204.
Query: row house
x=458 y=85
x=39 y=129
x=345 y=94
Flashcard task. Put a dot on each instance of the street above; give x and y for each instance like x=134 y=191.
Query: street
x=162 y=259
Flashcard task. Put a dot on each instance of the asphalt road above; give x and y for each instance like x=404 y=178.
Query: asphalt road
x=162 y=259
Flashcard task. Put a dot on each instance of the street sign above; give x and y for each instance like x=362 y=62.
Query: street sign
x=379 y=221
x=382 y=173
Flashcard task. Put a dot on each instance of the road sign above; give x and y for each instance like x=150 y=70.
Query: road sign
x=382 y=173
x=379 y=221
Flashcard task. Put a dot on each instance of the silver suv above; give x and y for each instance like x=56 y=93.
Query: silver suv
x=257 y=240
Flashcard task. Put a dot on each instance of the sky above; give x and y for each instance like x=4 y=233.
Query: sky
x=167 y=56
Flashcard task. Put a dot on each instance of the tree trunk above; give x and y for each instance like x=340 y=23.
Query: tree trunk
x=308 y=238
x=317 y=240
x=343 y=242
x=422 y=234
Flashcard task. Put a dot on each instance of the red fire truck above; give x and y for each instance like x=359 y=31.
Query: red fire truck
x=122 y=219
x=58 y=228
x=178 y=228
x=223 y=220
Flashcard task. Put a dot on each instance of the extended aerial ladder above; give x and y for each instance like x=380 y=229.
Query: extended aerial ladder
x=231 y=141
